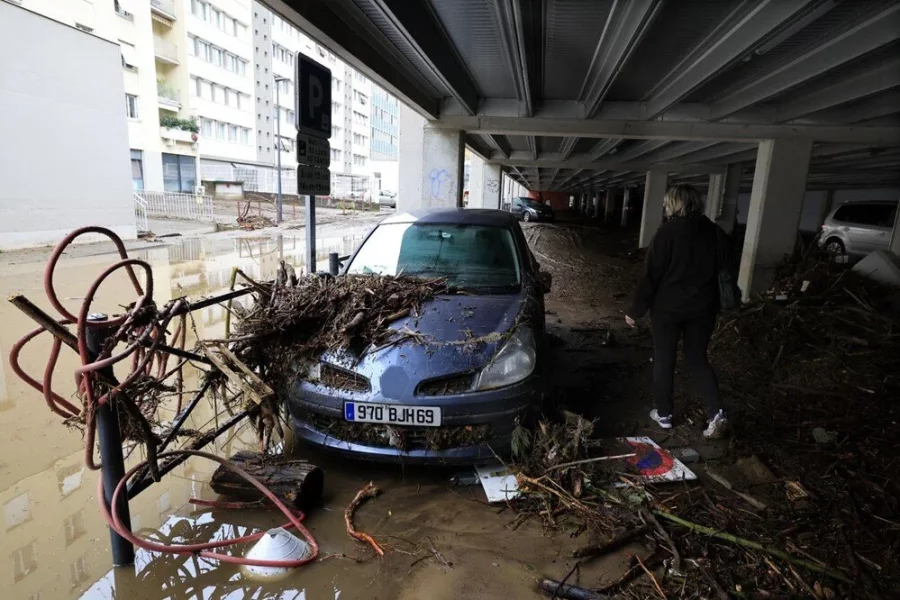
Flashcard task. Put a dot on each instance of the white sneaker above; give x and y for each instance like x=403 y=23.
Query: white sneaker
x=664 y=422
x=717 y=427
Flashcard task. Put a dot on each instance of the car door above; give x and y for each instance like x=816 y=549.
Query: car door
x=856 y=222
x=880 y=233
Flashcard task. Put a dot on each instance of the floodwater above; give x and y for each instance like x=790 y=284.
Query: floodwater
x=442 y=542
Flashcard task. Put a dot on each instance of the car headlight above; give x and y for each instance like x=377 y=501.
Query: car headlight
x=514 y=362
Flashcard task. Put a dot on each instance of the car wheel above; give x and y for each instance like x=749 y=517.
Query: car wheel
x=835 y=246
x=526 y=217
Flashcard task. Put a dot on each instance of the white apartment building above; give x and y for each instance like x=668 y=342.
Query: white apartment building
x=276 y=44
x=187 y=69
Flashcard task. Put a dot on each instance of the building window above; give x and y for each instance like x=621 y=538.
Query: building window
x=179 y=173
x=220 y=130
x=137 y=170
x=206 y=128
x=131 y=106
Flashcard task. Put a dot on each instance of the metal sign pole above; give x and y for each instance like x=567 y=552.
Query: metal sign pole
x=311 y=234
x=110 y=442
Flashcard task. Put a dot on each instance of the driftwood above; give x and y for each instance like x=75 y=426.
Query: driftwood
x=370 y=491
x=296 y=482
x=613 y=544
x=569 y=592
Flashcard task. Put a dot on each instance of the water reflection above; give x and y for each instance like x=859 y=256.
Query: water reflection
x=54 y=537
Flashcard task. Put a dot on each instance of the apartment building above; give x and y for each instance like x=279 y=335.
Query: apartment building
x=385 y=141
x=187 y=69
x=210 y=84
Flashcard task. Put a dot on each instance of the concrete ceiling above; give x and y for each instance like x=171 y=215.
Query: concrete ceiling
x=582 y=94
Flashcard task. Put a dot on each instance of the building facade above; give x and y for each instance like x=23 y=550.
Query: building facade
x=209 y=95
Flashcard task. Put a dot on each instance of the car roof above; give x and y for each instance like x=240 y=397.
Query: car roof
x=457 y=216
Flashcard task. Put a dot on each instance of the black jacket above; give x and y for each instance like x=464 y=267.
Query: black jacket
x=681 y=269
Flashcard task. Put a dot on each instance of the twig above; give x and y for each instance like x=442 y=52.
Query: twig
x=651 y=576
x=754 y=545
x=676 y=557
x=721 y=594
x=565 y=579
x=591 y=460
x=369 y=491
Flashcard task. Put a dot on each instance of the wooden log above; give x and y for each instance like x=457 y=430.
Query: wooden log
x=296 y=482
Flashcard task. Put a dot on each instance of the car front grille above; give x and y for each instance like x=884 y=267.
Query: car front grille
x=401 y=437
x=446 y=386
x=342 y=379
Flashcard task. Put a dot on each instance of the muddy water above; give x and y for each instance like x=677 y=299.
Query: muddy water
x=443 y=542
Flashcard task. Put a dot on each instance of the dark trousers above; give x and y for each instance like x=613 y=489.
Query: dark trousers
x=667 y=329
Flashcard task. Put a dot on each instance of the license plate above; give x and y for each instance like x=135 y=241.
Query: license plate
x=392 y=414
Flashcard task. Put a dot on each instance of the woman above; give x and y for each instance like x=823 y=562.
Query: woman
x=680 y=289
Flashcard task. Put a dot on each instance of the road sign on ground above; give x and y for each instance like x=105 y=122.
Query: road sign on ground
x=313 y=89
x=313 y=151
x=313 y=181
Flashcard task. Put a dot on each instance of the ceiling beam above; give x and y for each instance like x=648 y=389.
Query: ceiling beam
x=532 y=147
x=514 y=36
x=742 y=30
x=872 y=34
x=566 y=147
x=501 y=146
x=680 y=149
x=682 y=167
x=574 y=175
x=625 y=26
x=882 y=105
x=347 y=32
x=640 y=149
x=670 y=130
x=603 y=148
x=421 y=30
x=869 y=82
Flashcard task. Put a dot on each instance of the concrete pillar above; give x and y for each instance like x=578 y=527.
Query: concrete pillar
x=895 y=235
x=776 y=202
x=484 y=184
x=827 y=205
x=626 y=200
x=595 y=204
x=714 y=196
x=654 y=192
x=609 y=201
x=431 y=164
x=728 y=213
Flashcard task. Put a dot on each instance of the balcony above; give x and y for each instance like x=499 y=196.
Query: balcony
x=163 y=8
x=172 y=134
x=164 y=51
x=169 y=98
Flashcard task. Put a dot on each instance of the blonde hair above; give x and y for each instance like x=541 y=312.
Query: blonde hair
x=682 y=200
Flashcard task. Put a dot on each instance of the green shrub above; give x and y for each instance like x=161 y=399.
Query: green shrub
x=183 y=124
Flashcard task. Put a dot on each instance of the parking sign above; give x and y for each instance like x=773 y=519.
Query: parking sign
x=313 y=99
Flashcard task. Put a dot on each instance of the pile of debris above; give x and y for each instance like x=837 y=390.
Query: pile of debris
x=292 y=321
x=807 y=503
x=252 y=222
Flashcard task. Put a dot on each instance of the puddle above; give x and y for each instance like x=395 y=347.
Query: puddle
x=56 y=544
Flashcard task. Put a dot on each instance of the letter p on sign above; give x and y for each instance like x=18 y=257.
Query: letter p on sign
x=313 y=97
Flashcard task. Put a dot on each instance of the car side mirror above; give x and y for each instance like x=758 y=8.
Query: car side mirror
x=546 y=281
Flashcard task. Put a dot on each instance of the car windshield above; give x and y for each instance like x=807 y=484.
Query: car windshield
x=472 y=257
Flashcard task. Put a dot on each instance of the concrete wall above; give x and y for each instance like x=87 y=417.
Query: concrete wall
x=390 y=174
x=64 y=151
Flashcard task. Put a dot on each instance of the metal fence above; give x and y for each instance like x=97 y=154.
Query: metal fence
x=140 y=213
x=173 y=205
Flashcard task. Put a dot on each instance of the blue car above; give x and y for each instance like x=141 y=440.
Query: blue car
x=454 y=393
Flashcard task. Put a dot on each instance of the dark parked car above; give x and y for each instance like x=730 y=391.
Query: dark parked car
x=527 y=209
x=454 y=394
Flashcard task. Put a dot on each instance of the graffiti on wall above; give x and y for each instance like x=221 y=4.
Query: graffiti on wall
x=492 y=185
x=438 y=178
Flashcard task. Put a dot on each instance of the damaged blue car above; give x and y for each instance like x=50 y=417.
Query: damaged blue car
x=453 y=392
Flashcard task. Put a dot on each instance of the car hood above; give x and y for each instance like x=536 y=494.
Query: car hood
x=455 y=335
